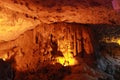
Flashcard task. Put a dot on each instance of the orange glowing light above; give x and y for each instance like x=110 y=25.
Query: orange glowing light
x=118 y=41
x=112 y=40
x=67 y=60
x=4 y=57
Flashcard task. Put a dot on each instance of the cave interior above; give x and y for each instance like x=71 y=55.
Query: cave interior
x=60 y=40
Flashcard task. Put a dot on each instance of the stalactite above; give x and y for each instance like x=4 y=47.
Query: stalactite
x=78 y=40
x=75 y=42
x=68 y=42
x=82 y=44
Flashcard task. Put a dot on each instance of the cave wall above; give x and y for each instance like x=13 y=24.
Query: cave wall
x=41 y=45
x=109 y=41
x=45 y=42
x=19 y=16
x=108 y=48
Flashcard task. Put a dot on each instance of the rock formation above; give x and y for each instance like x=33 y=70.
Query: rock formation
x=59 y=40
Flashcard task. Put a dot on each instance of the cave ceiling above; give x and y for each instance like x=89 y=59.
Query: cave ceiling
x=18 y=16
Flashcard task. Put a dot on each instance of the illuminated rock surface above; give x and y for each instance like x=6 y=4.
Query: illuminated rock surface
x=41 y=47
x=41 y=40
x=18 y=16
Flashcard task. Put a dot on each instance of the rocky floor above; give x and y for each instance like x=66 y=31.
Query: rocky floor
x=47 y=71
x=59 y=72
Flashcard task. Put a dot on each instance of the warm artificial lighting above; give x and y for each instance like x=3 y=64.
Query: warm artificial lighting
x=4 y=57
x=112 y=40
x=67 y=60
x=118 y=41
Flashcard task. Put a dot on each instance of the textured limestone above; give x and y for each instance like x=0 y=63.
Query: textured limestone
x=12 y=24
x=43 y=44
x=29 y=51
x=18 y=16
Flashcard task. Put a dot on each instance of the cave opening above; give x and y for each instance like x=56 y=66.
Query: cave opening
x=62 y=51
